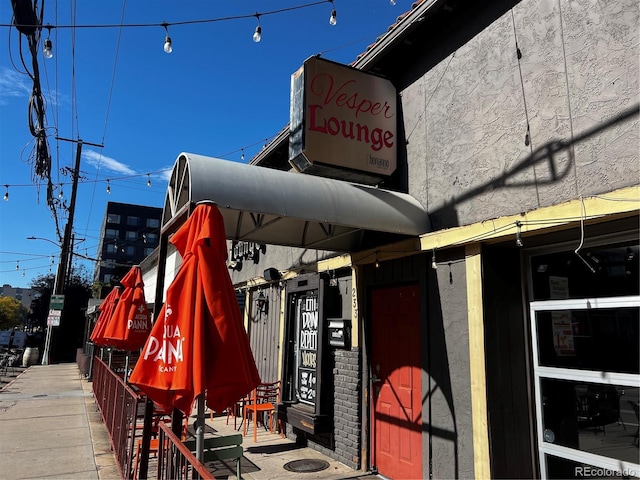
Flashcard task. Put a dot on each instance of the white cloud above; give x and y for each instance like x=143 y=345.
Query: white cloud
x=13 y=85
x=105 y=163
x=165 y=173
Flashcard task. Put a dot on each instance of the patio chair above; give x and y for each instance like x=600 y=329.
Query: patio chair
x=154 y=445
x=219 y=449
x=262 y=402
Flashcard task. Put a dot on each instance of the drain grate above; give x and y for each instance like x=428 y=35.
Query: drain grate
x=306 y=465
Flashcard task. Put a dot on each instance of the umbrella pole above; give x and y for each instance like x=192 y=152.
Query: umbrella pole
x=200 y=428
x=126 y=366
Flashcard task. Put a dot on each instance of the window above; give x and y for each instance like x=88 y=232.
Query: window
x=112 y=248
x=153 y=222
x=113 y=218
x=585 y=329
x=148 y=251
x=130 y=250
x=132 y=236
x=109 y=263
x=133 y=221
x=151 y=238
x=107 y=278
x=111 y=233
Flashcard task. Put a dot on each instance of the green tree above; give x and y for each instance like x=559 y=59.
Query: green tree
x=12 y=313
x=70 y=334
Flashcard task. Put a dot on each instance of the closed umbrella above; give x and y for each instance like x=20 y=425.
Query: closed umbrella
x=106 y=310
x=198 y=344
x=130 y=322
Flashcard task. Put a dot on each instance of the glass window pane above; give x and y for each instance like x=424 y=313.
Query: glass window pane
x=111 y=233
x=605 y=271
x=604 y=339
x=113 y=218
x=153 y=222
x=133 y=221
x=595 y=418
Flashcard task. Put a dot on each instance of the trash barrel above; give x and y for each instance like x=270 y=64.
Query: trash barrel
x=30 y=356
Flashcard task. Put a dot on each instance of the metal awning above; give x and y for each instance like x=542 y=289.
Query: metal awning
x=287 y=208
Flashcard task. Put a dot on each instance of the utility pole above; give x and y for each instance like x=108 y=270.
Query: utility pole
x=67 y=246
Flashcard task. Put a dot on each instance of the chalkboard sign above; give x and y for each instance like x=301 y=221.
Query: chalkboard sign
x=307 y=323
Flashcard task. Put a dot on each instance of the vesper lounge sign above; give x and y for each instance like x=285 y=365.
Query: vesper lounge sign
x=342 y=117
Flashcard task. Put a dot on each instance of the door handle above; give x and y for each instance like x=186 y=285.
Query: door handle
x=375 y=379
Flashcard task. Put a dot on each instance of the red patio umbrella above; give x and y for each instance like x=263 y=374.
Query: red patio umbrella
x=198 y=344
x=130 y=322
x=106 y=310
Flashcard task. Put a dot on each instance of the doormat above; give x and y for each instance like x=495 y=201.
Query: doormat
x=306 y=465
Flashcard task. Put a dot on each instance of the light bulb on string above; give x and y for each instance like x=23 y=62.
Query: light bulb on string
x=392 y=2
x=333 y=18
x=167 y=39
x=6 y=194
x=47 y=50
x=434 y=265
x=17 y=264
x=518 y=235
x=377 y=264
x=23 y=274
x=242 y=156
x=257 y=34
x=60 y=193
x=108 y=187
x=148 y=180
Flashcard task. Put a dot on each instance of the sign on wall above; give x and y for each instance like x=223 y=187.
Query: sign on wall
x=342 y=117
x=307 y=323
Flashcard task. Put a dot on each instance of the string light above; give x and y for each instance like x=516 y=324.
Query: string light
x=6 y=194
x=257 y=35
x=167 y=39
x=108 y=187
x=17 y=264
x=392 y=2
x=23 y=274
x=242 y=156
x=518 y=235
x=332 y=19
x=377 y=261
x=47 y=50
x=434 y=265
x=148 y=180
x=60 y=193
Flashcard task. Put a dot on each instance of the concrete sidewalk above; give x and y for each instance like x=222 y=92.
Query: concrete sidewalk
x=50 y=427
x=45 y=431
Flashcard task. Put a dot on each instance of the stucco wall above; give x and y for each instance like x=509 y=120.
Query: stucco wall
x=466 y=119
x=446 y=375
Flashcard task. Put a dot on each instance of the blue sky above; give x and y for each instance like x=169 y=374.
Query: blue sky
x=218 y=94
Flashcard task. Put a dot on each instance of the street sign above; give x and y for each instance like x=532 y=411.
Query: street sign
x=56 y=302
x=53 y=319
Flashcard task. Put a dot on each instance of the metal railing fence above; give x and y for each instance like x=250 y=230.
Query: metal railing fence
x=176 y=461
x=119 y=406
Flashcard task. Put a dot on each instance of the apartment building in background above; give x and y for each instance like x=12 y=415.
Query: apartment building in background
x=129 y=233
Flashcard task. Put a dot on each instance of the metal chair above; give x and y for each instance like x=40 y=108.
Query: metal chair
x=263 y=401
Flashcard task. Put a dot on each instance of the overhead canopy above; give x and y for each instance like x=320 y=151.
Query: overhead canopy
x=286 y=208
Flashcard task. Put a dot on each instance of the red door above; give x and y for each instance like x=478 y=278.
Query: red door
x=396 y=392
